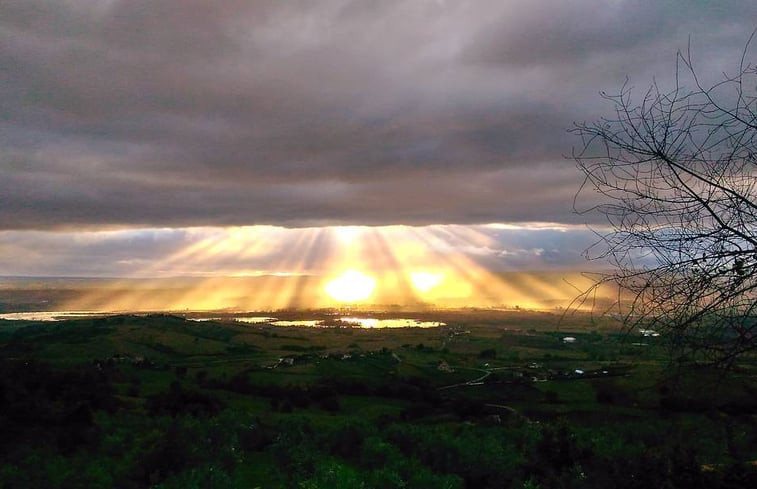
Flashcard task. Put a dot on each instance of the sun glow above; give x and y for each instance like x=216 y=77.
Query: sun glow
x=267 y=268
x=351 y=286
x=348 y=234
x=425 y=281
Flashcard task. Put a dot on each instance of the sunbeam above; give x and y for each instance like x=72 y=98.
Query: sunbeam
x=271 y=268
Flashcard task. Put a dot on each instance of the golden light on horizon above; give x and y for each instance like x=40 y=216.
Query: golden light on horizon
x=266 y=268
x=424 y=281
x=351 y=286
x=348 y=234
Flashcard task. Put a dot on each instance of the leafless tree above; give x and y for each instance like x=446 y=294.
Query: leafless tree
x=675 y=173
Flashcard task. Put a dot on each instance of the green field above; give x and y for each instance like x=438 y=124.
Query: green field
x=490 y=399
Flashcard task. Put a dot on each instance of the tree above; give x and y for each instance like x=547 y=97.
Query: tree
x=676 y=177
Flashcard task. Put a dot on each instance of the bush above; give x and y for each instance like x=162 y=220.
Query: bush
x=488 y=353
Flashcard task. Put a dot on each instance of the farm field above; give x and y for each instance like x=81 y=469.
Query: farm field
x=484 y=398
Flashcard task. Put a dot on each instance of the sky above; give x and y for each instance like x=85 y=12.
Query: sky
x=130 y=130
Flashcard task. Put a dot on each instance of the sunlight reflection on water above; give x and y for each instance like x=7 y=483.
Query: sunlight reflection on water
x=310 y=323
x=254 y=319
x=361 y=322
x=49 y=315
x=390 y=323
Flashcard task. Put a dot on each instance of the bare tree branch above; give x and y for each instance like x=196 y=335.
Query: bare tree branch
x=677 y=174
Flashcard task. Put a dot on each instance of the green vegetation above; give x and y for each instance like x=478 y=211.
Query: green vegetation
x=494 y=399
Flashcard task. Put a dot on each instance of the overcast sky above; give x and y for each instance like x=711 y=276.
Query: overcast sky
x=168 y=113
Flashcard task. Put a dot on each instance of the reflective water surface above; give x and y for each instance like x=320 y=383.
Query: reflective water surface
x=354 y=321
x=389 y=323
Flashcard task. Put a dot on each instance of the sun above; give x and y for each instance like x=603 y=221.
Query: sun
x=350 y=286
x=425 y=281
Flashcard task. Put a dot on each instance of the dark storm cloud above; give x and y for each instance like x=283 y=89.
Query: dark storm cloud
x=177 y=113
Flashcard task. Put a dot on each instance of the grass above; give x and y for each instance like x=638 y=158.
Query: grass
x=517 y=346
x=517 y=338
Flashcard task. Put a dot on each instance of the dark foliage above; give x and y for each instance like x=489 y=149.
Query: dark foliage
x=178 y=400
x=42 y=405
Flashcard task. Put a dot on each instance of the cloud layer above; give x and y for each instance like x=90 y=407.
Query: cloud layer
x=188 y=113
x=266 y=250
